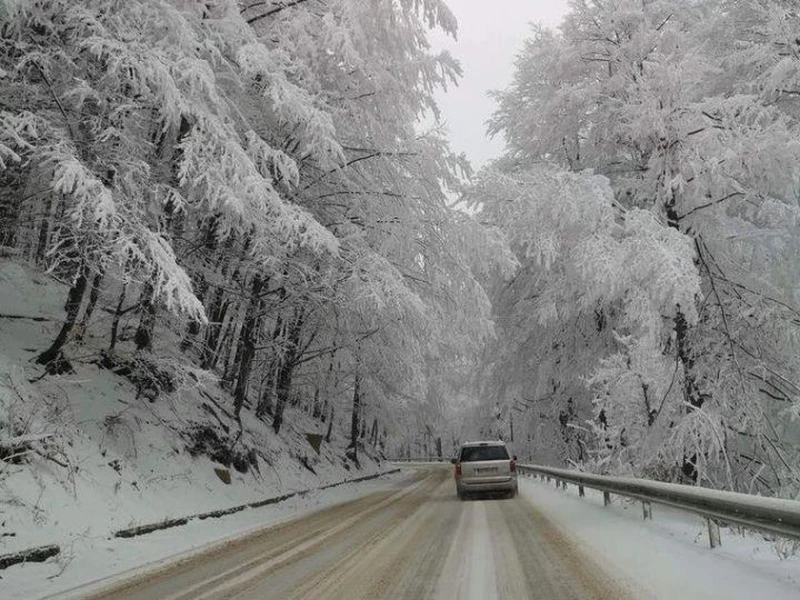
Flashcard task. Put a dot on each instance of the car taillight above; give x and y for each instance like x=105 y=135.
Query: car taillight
x=458 y=469
x=513 y=466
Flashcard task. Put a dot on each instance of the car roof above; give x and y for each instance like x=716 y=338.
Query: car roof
x=483 y=443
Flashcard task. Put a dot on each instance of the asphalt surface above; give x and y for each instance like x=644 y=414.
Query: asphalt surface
x=412 y=542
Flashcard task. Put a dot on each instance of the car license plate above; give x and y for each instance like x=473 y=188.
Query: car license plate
x=487 y=470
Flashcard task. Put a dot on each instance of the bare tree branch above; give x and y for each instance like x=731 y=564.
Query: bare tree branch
x=272 y=11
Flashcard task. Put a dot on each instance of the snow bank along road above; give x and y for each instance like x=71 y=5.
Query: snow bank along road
x=414 y=541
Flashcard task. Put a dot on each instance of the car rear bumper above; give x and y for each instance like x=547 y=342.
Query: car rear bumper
x=495 y=484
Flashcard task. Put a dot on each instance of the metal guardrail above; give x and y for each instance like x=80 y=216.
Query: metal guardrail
x=772 y=515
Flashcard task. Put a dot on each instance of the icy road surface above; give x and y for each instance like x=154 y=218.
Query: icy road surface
x=414 y=541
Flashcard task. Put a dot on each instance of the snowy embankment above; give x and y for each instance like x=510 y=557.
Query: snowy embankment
x=90 y=563
x=102 y=457
x=669 y=557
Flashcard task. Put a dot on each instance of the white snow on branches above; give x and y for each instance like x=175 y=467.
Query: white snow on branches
x=571 y=226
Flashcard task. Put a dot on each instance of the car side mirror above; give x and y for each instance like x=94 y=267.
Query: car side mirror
x=454 y=460
x=515 y=457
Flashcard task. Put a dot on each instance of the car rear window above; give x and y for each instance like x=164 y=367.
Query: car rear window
x=475 y=453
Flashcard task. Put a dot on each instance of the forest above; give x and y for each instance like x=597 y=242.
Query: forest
x=262 y=192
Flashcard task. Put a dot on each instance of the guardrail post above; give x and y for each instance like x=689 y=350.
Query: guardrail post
x=713 y=533
x=581 y=493
x=647 y=510
x=606 y=498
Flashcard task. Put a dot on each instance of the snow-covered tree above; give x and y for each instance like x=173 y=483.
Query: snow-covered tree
x=683 y=129
x=244 y=185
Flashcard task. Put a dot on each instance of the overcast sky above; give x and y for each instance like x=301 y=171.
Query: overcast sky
x=489 y=36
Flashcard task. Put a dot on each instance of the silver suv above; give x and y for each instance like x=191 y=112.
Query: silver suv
x=485 y=467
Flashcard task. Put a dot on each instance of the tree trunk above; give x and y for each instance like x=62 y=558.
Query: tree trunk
x=330 y=424
x=691 y=392
x=11 y=183
x=52 y=356
x=265 y=403
x=692 y=396
x=286 y=370
x=247 y=345
x=44 y=232
x=316 y=408
x=94 y=296
x=147 y=319
x=229 y=352
x=355 y=419
x=193 y=329
x=216 y=315
x=283 y=384
x=117 y=317
x=222 y=346
x=327 y=387
x=373 y=436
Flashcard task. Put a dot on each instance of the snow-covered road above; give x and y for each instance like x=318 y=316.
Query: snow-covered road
x=506 y=549
x=407 y=536
x=415 y=541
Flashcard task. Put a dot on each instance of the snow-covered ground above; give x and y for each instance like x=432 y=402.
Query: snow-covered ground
x=669 y=557
x=107 y=458
x=90 y=563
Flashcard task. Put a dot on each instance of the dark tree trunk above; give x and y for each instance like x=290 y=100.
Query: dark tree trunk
x=117 y=316
x=373 y=436
x=323 y=413
x=214 y=349
x=94 y=296
x=230 y=352
x=11 y=183
x=355 y=418
x=216 y=315
x=691 y=392
x=283 y=386
x=247 y=345
x=330 y=424
x=286 y=367
x=692 y=395
x=327 y=386
x=52 y=355
x=147 y=319
x=193 y=329
x=265 y=403
x=44 y=232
